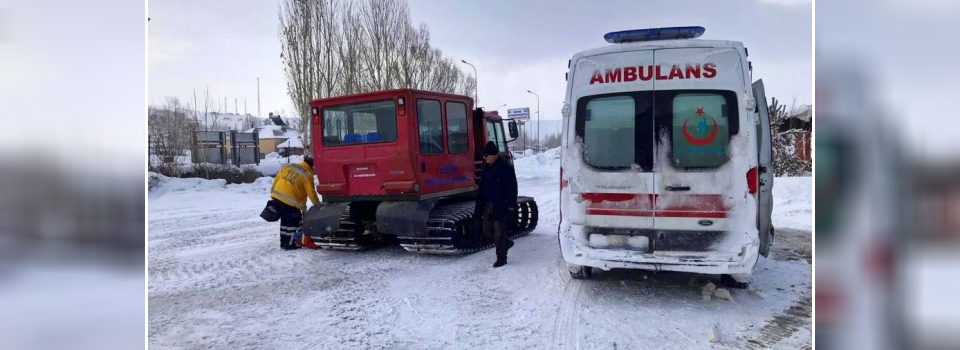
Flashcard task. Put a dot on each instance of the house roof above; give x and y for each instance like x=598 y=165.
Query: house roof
x=805 y=114
x=273 y=132
x=293 y=142
x=802 y=120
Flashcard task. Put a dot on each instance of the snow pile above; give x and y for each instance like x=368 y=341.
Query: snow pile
x=272 y=164
x=548 y=159
x=193 y=184
x=793 y=203
x=160 y=185
x=259 y=186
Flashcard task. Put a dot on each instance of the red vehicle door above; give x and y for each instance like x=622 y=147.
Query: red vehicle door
x=445 y=160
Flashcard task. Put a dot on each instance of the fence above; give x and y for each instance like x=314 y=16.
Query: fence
x=216 y=147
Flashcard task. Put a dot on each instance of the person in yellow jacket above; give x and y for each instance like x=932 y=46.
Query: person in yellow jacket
x=290 y=190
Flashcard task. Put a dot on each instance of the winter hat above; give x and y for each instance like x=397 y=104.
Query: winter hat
x=308 y=160
x=491 y=149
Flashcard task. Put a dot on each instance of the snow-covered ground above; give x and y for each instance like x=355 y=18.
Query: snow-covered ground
x=217 y=279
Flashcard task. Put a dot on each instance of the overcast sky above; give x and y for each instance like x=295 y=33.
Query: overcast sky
x=515 y=45
x=905 y=52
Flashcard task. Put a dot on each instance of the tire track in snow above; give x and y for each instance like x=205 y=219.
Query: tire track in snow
x=360 y=313
x=783 y=325
x=196 y=275
x=565 y=332
x=164 y=228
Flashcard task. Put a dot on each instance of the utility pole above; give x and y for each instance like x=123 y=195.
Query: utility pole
x=538 y=118
x=258 y=97
x=476 y=93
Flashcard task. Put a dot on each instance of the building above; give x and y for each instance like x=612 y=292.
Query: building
x=802 y=124
x=274 y=133
x=291 y=147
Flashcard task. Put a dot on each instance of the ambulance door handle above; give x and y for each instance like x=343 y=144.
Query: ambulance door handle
x=678 y=188
x=423 y=167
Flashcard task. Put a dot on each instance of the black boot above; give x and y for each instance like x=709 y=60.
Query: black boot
x=500 y=262
x=285 y=243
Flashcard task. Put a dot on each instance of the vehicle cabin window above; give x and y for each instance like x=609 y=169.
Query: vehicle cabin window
x=458 y=139
x=609 y=132
x=700 y=130
x=492 y=132
x=501 y=140
x=430 y=124
x=495 y=134
x=361 y=123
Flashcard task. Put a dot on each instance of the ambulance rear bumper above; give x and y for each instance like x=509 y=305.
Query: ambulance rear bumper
x=577 y=250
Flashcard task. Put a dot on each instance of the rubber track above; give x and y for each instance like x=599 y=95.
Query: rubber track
x=449 y=221
x=347 y=228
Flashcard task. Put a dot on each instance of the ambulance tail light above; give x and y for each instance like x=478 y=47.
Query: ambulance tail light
x=879 y=262
x=830 y=302
x=752 y=177
x=650 y=34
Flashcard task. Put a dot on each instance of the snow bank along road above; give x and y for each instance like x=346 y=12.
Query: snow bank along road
x=217 y=279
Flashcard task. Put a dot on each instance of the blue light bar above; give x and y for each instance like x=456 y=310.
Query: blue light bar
x=651 y=34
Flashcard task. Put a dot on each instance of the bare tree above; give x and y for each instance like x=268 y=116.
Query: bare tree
x=311 y=39
x=343 y=47
x=384 y=22
x=251 y=122
x=353 y=44
x=168 y=136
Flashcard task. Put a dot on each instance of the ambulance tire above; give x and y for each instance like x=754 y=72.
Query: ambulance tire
x=729 y=282
x=580 y=272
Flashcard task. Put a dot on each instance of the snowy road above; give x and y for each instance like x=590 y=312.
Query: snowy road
x=217 y=279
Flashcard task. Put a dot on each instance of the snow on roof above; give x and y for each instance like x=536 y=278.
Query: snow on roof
x=274 y=132
x=293 y=142
x=805 y=113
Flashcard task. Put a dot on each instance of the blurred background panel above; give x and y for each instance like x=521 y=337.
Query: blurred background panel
x=887 y=175
x=72 y=165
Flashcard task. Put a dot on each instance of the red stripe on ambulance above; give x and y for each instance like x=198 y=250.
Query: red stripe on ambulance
x=651 y=205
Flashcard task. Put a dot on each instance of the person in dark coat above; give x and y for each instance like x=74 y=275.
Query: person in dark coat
x=497 y=200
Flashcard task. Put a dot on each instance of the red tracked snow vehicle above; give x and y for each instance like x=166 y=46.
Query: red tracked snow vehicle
x=402 y=166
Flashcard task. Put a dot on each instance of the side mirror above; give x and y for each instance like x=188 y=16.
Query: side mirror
x=513 y=129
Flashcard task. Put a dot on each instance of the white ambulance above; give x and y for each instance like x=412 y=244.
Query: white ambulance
x=665 y=157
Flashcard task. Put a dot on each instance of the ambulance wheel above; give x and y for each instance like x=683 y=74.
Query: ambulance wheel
x=580 y=272
x=730 y=282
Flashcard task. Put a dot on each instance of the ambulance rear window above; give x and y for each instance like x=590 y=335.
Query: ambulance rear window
x=699 y=129
x=626 y=130
x=607 y=119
